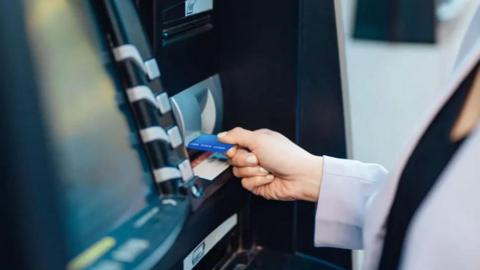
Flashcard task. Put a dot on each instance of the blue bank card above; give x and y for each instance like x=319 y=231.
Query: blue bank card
x=209 y=143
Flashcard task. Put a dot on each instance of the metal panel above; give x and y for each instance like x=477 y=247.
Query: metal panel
x=320 y=112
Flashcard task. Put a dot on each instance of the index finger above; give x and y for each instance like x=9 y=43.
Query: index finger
x=239 y=136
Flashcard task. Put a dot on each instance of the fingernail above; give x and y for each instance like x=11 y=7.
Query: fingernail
x=221 y=134
x=262 y=170
x=270 y=177
x=231 y=152
x=252 y=159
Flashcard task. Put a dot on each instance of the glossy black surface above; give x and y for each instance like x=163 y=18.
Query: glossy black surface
x=320 y=115
x=227 y=201
x=396 y=20
x=258 y=68
x=280 y=70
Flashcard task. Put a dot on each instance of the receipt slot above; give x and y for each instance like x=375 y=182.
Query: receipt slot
x=199 y=108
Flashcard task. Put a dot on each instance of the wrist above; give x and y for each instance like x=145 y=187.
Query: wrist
x=310 y=183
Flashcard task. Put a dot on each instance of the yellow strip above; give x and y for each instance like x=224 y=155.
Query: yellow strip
x=90 y=255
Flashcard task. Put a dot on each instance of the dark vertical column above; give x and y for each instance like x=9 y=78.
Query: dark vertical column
x=258 y=72
x=320 y=118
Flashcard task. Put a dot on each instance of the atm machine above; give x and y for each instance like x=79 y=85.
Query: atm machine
x=119 y=87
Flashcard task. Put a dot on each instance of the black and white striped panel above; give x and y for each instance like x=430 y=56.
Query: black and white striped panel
x=129 y=51
x=157 y=126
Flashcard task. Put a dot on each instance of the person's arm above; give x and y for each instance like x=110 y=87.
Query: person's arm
x=347 y=187
x=275 y=168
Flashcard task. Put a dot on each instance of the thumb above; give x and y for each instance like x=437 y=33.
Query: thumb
x=239 y=136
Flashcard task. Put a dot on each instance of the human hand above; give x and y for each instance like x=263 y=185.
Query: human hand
x=272 y=166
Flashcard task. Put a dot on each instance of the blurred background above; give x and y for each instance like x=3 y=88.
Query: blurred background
x=393 y=84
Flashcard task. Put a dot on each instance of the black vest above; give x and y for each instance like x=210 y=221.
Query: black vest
x=432 y=154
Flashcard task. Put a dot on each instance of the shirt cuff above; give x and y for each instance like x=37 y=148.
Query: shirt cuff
x=345 y=189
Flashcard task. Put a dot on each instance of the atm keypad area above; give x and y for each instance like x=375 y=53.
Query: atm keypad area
x=150 y=76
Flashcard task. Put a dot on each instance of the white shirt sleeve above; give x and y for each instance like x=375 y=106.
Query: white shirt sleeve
x=347 y=187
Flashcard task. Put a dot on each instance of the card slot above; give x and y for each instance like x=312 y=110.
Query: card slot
x=184 y=27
